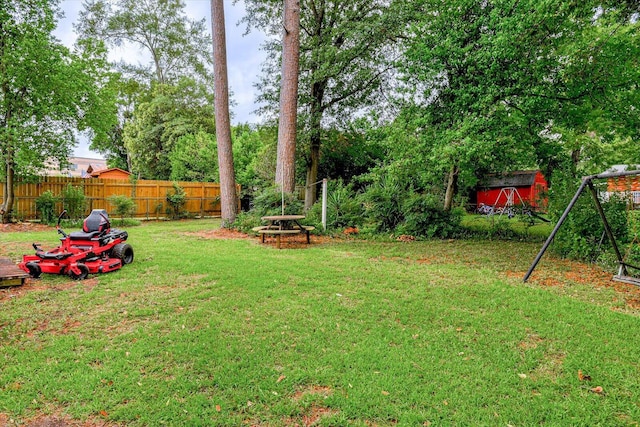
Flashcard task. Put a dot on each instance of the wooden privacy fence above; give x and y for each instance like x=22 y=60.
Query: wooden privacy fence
x=150 y=197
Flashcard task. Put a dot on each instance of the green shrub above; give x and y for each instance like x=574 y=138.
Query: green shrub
x=344 y=207
x=124 y=206
x=245 y=221
x=45 y=206
x=269 y=202
x=383 y=201
x=582 y=236
x=176 y=202
x=74 y=201
x=425 y=217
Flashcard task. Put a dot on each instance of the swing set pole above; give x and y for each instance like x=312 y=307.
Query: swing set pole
x=607 y=229
x=585 y=181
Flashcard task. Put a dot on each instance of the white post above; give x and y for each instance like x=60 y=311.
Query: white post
x=324 y=204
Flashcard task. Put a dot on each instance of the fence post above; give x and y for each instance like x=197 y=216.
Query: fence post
x=324 y=204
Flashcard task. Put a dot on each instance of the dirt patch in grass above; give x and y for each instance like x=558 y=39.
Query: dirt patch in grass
x=313 y=390
x=564 y=273
x=220 y=233
x=312 y=415
x=23 y=226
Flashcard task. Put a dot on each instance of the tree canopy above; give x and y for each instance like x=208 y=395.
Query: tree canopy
x=422 y=95
x=47 y=92
x=519 y=80
x=168 y=113
x=176 y=45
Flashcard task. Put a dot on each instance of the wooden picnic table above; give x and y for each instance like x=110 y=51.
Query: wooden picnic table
x=279 y=225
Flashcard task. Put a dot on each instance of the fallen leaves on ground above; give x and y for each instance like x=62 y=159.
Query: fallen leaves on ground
x=583 y=377
x=598 y=390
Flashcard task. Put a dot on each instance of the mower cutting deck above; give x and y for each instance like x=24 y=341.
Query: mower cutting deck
x=96 y=249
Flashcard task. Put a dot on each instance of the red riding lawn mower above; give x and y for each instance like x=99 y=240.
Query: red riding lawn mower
x=96 y=249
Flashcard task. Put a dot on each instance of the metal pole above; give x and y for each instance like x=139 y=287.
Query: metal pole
x=585 y=181
x=607 y=228
x=324 y=204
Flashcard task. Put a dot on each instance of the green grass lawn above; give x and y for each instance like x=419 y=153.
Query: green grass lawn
x=502 y=225
x=210 y=332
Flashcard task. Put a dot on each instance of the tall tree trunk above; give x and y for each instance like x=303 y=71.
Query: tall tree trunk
x=7 y=203
x=575 y=157
x=286 y=160
x=452 y=186
x=311 y=189
x=7 y=206
x=228 y=196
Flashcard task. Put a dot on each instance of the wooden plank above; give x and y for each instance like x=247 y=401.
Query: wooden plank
x=272 y=231
x=627 y=279
x=11 y=274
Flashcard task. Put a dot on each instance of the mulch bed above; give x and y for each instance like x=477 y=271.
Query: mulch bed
x=23 y=226
x=294 y=241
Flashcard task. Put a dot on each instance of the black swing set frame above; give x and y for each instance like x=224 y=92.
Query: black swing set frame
x=587 y=182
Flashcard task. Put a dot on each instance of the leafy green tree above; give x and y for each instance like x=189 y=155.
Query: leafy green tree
x=194 y=158
x=129 y=93
x=500 y=78
x=169 y=113
x=351 y=152
x=346 y=58
x=176 y=45
x=171 y=45
x=47 y=92
x=251 y=145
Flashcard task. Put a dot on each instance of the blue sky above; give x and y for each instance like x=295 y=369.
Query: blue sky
x=244 y=57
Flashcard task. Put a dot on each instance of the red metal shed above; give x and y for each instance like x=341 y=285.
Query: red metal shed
x=514 y=188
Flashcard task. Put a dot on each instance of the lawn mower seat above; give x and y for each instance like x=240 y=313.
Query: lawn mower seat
x=93 y=226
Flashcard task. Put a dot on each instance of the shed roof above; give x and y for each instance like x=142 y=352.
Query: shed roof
x=510 y=179
x=97 y=173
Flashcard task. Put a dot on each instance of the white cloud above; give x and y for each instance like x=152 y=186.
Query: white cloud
x=244 y=57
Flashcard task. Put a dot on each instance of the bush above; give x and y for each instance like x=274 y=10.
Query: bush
x=245 y=221
x=74 y=201
x=45 y=205
x=269 y=202
x=124 y=206
x=383 y=201
x=425 y=217
x=344 y=207
x=266 y=202
x=176 y=202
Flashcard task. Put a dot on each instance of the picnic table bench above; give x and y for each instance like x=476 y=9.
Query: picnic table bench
x=280 y=225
